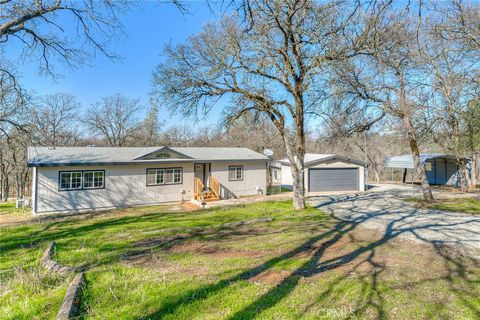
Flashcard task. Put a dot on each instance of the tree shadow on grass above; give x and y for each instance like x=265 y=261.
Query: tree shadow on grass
x=69 y=229
x=371 y=296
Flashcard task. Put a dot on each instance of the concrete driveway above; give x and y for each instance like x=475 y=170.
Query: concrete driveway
x=382 y=208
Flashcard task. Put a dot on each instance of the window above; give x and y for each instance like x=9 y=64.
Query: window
x=164 y=176
x=80 y=180
x=235 y=173
x=155 y=176
x=71 y=180
x=177 y=175
x=93 y=179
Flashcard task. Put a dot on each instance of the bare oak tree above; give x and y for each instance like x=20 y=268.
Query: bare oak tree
x=114 y=119
x=456 y=29
x=458 y=22
x=39 y=28
x=12 y=101
x=271 y=65
x=388 y=76
x=46 y=32
x=451 y=86
x=55 y=120
x=471 y=137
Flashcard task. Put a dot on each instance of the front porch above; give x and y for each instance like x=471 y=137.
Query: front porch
x=206 y=186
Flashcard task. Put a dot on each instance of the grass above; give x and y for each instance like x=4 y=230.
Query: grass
x=277 y=189
x=465 y=205
x=150 y=263
x=7 y=207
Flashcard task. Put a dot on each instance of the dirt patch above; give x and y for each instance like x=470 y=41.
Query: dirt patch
x=160 y=264
x=270 y=277
x=214 y=251
x=16 y=218
x=189 y=206
x=164 y=241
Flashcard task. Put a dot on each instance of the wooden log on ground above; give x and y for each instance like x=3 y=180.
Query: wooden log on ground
x=51 y=265
x=71 y=302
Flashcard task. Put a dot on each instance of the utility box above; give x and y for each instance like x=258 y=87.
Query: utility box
x=22 y=203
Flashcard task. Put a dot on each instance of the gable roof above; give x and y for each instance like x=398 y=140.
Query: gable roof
x=74 y=156
x=311 y=158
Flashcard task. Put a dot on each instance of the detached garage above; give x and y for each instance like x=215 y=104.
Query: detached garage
x=328 y=172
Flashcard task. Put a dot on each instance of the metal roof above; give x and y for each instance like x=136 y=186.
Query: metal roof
x=318 y=157
x=406 y=161
x=65 y=156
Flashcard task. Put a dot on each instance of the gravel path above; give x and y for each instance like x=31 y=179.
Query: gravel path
x=383 y=209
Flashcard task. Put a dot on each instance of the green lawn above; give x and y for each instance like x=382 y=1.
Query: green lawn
x=7 y=207
x=466 y=205
x=277 y=189
x=149 y=263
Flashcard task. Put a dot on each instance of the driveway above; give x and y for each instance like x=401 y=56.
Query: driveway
x=382 y=208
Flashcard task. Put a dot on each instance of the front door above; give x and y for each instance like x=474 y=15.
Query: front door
x=199 y=171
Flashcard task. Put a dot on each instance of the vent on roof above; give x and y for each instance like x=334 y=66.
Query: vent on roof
x=163 y=155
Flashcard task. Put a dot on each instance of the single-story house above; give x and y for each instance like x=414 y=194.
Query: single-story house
x=441 y=169
x=328 y=172
x=75 y=179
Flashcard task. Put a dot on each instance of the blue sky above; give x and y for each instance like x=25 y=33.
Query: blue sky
x=148 y=28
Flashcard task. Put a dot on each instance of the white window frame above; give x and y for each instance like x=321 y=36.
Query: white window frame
x=169 y=175
x=82 y=180
x=236 y=168
x=60 y=180
x=93 y=181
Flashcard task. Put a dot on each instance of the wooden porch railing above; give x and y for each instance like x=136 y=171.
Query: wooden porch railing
x=214 y=186
x=197 y=189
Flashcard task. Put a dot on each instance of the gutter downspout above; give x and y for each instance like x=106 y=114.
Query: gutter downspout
x=34 y=190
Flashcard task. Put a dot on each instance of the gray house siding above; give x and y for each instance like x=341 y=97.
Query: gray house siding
x=125 y=186
x=254 y=178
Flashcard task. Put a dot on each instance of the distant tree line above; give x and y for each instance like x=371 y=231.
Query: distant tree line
x=115 y=121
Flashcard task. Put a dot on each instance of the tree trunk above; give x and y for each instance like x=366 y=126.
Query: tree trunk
x=463 y=176
x=6 y=190
x=298 y=185
x=419 y=168
x=474 y=178
x=296 y=165
x=404 y=179
x=1 y=183
x=375 y=171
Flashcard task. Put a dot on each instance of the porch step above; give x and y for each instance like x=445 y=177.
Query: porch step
x=209 y=196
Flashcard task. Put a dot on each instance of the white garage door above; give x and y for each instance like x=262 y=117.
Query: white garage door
x=333 y=179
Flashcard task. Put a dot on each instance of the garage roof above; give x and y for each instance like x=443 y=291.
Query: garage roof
x=311 y=158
